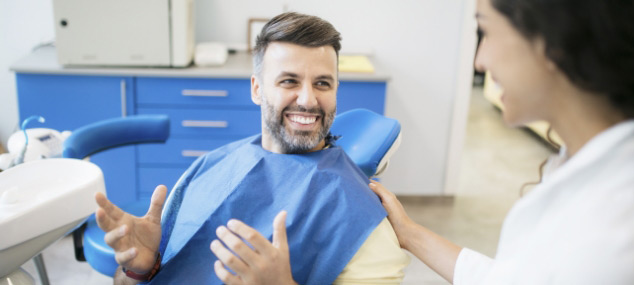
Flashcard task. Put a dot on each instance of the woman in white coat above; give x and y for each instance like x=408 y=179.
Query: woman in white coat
x=571 y=63
x=568 y=62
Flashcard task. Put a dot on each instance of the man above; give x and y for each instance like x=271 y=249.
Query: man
x=338 y=228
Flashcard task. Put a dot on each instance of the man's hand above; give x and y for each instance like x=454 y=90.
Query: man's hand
x=266 y=263
x=135 y=240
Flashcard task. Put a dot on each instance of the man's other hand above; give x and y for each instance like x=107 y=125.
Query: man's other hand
x=135 y=240
x=265 y=263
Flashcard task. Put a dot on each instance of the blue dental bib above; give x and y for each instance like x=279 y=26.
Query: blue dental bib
x=331 y=210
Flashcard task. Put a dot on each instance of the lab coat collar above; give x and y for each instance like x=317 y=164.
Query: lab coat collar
x=564 y=183
x=561 y=166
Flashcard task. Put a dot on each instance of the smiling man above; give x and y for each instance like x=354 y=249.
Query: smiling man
x=297 y=89
x=337 y=227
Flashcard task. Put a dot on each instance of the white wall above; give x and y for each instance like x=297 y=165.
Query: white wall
x=417 y=42
x=420 y=43
x=23 y=25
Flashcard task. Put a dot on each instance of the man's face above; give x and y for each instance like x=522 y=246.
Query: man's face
x=297 y=92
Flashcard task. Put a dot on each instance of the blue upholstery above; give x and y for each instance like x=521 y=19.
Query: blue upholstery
x=366 y=137
x=104 y=135
x=97 y=253
x=115 y=132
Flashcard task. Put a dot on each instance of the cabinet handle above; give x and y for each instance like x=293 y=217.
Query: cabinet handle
x=124 y=107
x=204 y=124
x=205 y=93
x=193 y=153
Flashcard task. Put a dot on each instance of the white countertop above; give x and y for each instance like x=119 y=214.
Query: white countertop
x=239 y=65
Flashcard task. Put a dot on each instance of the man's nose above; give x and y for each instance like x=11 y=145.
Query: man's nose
x=307 y=97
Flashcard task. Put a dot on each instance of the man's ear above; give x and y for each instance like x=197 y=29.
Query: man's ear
x=255 y=90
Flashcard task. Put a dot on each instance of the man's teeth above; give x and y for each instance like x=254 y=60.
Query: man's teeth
x=302 y=120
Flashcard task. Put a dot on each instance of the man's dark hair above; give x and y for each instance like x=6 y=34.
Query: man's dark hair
x=591 y=41
x=295 y=28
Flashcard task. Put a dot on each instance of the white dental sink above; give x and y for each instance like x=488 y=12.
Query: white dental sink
x=40 y=202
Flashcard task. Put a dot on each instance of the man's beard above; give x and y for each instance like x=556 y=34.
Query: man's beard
x=296 y=141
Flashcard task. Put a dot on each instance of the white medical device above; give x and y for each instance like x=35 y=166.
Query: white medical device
x=32 y=144
x=211 y=54
x=40 y=202
x=124 y=32
x=43 y=143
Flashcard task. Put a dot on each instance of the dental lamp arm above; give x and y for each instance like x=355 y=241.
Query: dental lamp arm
x=19 y=159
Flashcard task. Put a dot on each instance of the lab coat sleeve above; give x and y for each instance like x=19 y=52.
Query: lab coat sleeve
x=380 y=260
x=471 y=267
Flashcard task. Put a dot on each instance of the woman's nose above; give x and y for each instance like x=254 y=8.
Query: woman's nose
x=480 y=60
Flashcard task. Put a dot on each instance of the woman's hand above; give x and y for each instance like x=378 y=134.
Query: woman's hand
x=265 y=263
x=396 y=214
x=437 y=252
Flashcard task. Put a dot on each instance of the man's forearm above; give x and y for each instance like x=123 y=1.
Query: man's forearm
x=437 y=252
x=122 y=279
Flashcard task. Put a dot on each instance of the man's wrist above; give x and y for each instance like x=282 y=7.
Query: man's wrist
x=147 y=276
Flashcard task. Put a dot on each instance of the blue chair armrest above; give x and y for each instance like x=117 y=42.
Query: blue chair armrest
x=116 y=132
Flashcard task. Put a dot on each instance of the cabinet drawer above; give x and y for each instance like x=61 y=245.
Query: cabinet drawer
x=194 y=91
x=178 y=151
x=368 y=95
x=150 y=177
x=201 y=123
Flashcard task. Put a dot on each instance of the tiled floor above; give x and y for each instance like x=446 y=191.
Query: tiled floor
x=496 y=162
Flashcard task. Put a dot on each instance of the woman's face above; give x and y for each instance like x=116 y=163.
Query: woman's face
x=517 y=64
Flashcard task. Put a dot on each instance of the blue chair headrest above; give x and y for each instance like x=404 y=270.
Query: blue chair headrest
x=366 y=137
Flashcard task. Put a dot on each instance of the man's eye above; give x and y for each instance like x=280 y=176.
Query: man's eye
x=323 y=84
x=288 y=82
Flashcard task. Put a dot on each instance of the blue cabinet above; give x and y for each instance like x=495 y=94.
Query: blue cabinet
x=69 y=102
x=205 y=113
x=361 y=94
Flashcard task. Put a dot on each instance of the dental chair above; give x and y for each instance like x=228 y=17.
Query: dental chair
x=368 y=138
x=85 y=141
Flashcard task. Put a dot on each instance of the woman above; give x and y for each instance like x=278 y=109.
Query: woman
x=568 y=62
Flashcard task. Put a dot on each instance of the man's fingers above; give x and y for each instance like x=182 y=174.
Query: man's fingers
x=104 y=221
x=156 y=204
x=279 y=231
x=236 y=245
x=110 y=209
x=224 y=275
x=112 y=237
x=228 y=258
x=125 y=256
x=259 y=242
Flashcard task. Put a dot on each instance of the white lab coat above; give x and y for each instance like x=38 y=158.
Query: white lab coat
x=576 y=227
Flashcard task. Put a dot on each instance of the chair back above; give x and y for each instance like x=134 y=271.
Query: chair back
x=368 y=138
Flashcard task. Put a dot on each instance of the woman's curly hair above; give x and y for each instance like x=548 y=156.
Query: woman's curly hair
x=590 y=41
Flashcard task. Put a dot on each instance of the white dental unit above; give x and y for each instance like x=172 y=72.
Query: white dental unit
x=124 y=33
x=40 y=202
